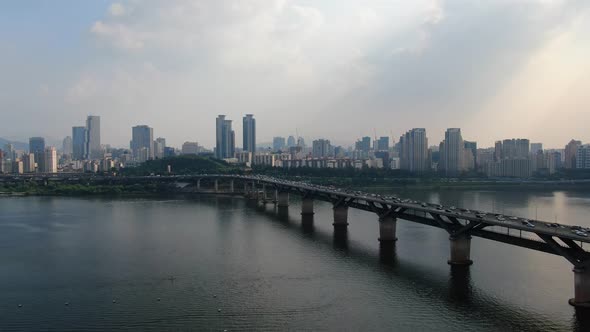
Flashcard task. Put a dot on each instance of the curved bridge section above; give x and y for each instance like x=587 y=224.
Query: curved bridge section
x=461 y=224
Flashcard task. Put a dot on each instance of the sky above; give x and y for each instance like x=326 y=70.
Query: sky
x=320 y=68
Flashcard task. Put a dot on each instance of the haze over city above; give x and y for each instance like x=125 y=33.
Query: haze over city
x=337 y=70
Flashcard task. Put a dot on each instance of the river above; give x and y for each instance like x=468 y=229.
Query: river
x=224 y=263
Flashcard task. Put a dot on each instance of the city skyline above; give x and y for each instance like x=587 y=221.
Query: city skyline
x=424 y=70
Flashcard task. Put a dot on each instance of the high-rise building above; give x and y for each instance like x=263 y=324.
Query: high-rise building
x=364 y=144
x=516 y=148
x=278 y=143
x=291 y=141
x=249 y=133
x=1 y=161
x=37 y=147
x=321 y=148
x=414 y=150
x=9 y=151
x=67 y=147
x=78 y=143
x=583 y=157
x=498 y=154
x=536 y=147
x=383 y=143
x=36 y=144
x=451 y=152
x=159 y=147
x=225 y=138
x=300 y=142
x=190 y=148
x=28 y=163
x=472 y=148
x=92 y=147
x=142 y=143
x=50 y=163
x=571 y=150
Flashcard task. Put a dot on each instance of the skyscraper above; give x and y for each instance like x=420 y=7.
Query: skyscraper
x=92 y=141
x=472 y=148
x=50 y=163
x=451 y=153
x=571 y=150
x=536 y=147
x=498 y=154
x=321 y=148
x=278 y=143
x=159 y=147
x=383 y=143
x=249 y=137
x=518 y=148
x=78 y=143
x=583 y=157
x=414 y=150
x=37 y=147
x=225 y=138
x=67 y=146
x=28 y=163
x=291 y=141
x=364 y=144
x=142 y=143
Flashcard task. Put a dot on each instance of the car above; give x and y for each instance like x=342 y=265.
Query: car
x=424 y=205
x=513 y=218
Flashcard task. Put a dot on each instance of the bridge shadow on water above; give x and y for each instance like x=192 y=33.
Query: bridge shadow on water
x=455 y=291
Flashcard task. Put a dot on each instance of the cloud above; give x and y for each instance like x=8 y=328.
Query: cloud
x=328 y=69
x=117 y=9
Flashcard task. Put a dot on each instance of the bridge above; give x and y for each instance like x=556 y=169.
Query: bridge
x=461 y=224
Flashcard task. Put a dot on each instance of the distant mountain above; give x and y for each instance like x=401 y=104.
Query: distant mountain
x=17 y=145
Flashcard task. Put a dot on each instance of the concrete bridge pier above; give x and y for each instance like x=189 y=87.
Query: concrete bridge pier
x=199 y=185
x=307 y=206
x=460 y=250
x=387 y=229
x=283 y=199
x=264 y=195
x=216 y=185
x=340 y=216
x=581 y=288
x=231 y=186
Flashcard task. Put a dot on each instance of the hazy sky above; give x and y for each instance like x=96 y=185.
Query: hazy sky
x=337 y=69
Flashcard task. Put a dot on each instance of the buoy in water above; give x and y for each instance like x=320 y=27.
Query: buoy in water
x=20 y=305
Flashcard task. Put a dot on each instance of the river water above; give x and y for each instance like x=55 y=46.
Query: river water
x=224 y=263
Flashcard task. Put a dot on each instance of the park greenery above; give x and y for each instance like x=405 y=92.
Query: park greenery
x=182 y=165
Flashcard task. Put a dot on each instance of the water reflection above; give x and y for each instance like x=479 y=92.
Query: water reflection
x=340 y=238
x=387 y=255
x=307 y=225
x=460 y=284
x=455 y=290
